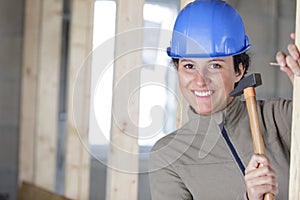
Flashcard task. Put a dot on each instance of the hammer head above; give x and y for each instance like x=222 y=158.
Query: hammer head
x=252 y=80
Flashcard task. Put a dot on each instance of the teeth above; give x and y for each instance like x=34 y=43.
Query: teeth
x=203 y=94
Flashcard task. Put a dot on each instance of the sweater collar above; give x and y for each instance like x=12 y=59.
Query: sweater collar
x=228 y=116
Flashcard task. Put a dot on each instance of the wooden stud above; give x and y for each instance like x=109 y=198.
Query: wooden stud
x=182 y=107
x=40 y=86
x=47 y=93
x=122 y=171
x=294 y=185
x=77 y=167
x=183 y=3
x=29 y=89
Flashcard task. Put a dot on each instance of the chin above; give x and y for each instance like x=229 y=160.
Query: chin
x=203 y=111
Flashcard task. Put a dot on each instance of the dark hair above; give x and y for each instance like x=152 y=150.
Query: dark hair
x=242 y=58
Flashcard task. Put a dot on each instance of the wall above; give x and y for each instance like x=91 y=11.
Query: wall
x=11 y=25
x=268 y=23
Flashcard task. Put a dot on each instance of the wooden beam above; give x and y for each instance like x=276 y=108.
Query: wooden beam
x=30 y=191
x=47 y=93
x=77 y=167
x=294 y=185
x=122 y=171
x=182 y=107
x=183 y=3
x=40 y=86
x=29 y=89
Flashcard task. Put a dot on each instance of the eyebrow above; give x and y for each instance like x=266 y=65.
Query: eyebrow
x=211 y=60
x=187 y=60
x=217 y=59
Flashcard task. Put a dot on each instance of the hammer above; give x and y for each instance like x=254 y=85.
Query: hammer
x=246 y=86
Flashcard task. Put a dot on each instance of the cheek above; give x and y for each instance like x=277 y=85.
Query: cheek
x=183 y=80
x=228 y=82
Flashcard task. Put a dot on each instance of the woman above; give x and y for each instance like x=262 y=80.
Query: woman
x=211 y=156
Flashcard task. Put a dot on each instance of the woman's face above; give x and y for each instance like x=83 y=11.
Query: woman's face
x=206 y=82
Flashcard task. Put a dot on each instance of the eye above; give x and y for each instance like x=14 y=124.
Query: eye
x=214 y=66
x=188 y=66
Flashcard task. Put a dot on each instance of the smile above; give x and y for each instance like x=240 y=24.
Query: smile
x=203 y=93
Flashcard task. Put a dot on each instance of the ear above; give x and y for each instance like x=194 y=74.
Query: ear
x=239 y=74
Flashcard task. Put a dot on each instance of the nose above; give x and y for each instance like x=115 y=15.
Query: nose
x=200 y=78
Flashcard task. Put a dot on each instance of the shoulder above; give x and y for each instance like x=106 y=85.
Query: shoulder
x=161 y=154
x=170 y=149
x=276 y=116
x=276 y=109
x=164 y=141
x=276 y=103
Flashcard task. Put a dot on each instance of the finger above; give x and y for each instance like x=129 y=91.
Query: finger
x=258 y=186
x=257 y=192
x=261 y=171
x=293 y=35
x=263 y=175
x=294 y=52
x=255 y=161
x=289 y=72
x=293 y=65
x=262 y=180
x=280 y=58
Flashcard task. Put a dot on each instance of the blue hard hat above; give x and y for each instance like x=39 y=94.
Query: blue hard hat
x=208 y=28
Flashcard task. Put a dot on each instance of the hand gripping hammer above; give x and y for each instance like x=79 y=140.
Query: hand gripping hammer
x=246 y=86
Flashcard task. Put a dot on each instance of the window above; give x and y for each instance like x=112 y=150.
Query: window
x=158 y=80
x=158 y=103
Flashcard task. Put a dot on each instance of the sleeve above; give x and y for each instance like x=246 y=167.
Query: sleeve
x=278 y=118
x=165 y=183
x=286 y=110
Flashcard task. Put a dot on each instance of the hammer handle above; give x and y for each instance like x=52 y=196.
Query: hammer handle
x=258 y=143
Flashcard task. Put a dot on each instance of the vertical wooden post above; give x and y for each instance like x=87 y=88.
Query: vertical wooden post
x=41 y=64
x=183 y=106
x=77 y=153
x=294 y=185
x=122 y=171
x=47 y=93
x=29 y=89
x=183 y=3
